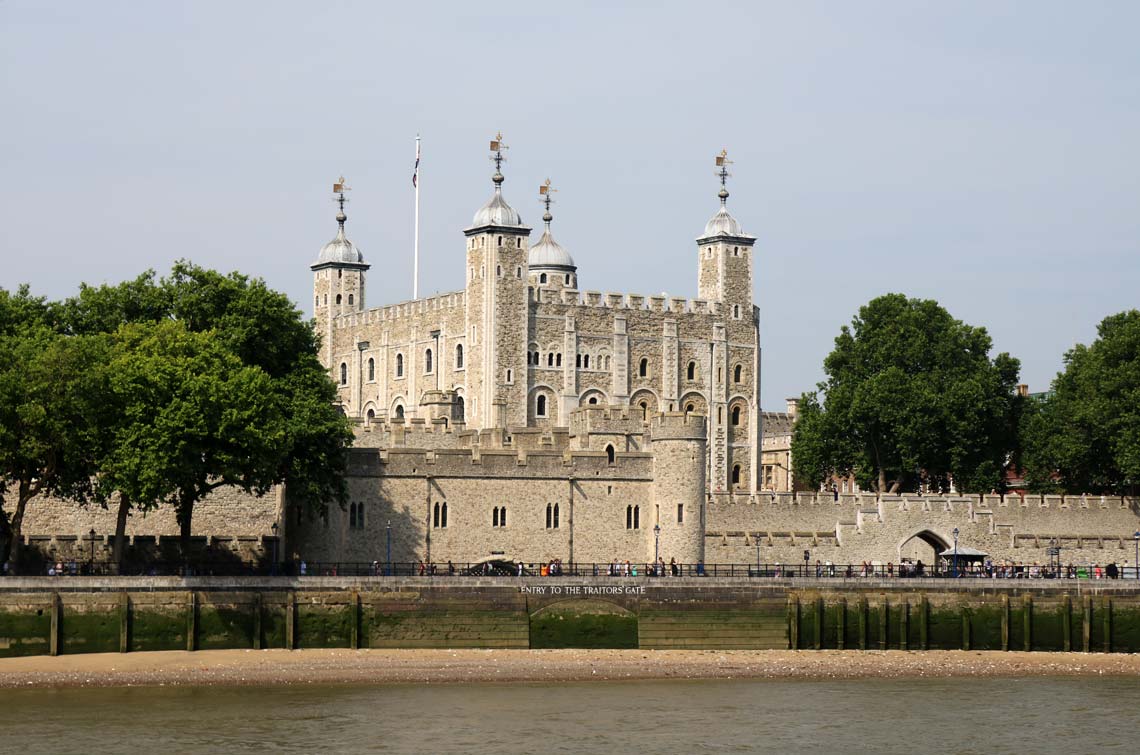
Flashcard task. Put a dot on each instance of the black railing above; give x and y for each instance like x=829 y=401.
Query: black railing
x=620 y=570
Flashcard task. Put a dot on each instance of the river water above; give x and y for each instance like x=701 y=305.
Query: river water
x=933 y=717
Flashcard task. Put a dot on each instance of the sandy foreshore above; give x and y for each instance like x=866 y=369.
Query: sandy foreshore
x=271 y=667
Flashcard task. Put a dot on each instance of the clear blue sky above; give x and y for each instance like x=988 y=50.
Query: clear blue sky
x=984 y=154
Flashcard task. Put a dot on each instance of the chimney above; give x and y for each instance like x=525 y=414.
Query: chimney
x=793 y=405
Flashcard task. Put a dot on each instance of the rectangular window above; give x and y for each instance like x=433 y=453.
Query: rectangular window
x=680 y=513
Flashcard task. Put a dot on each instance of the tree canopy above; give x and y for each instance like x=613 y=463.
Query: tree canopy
x=1084 y=435
x=911 y=397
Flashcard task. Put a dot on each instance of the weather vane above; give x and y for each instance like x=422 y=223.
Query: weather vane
x=723 y=162
x=339 y=188
x=497 y=146
x=545 y=191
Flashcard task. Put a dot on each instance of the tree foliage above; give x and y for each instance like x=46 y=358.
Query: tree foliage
x=911 y=395
x=1084 y=436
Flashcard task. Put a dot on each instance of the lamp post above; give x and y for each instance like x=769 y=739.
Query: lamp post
x=656 y=546
x=954 y=571
x=273 y=563
x=758 y=574
x=389 y=528
x=91 y=561
x=1136 y=561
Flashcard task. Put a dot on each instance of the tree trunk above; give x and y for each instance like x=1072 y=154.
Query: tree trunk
x=882 y=486
x=120 y=532
x=16 y=525
x=185 y=512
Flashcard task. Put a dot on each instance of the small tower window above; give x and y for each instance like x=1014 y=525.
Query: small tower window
x=610 y=454
x=371 y=369
x=350 y=300
x=399 y=411
x=338 y=298
x=735 y=416
x=643 y=368
x=399 y=365
x=557 y=360
x=371 y=414
x=680 y=513
x=550 y=359
x=499 y=269
x=567 y=279
x=540 y=406
x=593 y=400
x=644 y=410
x=689 y=408
x=737 y=371
x=343 y=373
x=459 y=356
x=578 y=359
x=510 y=376
x=586 y=362
x=518 y=273
x=735 y=310
x=317 y=301
x=500 y=241
x=542 y=278
x=691 y=372
x=736 y=474
x=427 y=361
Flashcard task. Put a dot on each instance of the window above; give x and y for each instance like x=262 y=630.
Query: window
x=435 y=516
x=552 y=516
x=350 y=300
x=735 y=416
x=680 y=513
x=399 y=411
x=720 y=414
x=343 y=373
x=557 y=360
x=719 y=374
x=338 y=298
x=689 y=408
x=510 y=376
x=371 y=369
x=586 y=362
x=550 y=359
x=691 y=372
x=644 y=409
x=568 y=279
x=427 y=361
x=540 y=406
x=736 y=474
x=610 y=454
x=542 y=278
x=593 y=400
x=643 y=368
x=399 y=365
x=578 y=361
x=499 y=269
x=439 y=515
x=317 y=301
x=633 y=517
x=371 y=414
x=499 y=516
x=737 y=372
x=459 y=356
x=356 y=516
x=459 y=409
x=500 y=241
x=518 y=272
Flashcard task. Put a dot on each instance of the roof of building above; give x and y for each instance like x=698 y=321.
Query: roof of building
x=340 y=249
x=497 y=212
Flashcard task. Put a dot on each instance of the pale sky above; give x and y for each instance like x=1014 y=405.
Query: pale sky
x=983 y=154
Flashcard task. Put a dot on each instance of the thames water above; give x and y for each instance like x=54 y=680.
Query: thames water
x=1032 y=715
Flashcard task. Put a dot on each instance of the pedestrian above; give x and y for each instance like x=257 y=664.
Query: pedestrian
x=304 y=568
x=450 y=568
x=673 y=567
x=423 y=567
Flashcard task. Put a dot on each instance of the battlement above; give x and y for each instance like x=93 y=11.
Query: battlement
x=606 y=420
x=608 y=300
x=990 y=503
x=677 y=426
x=499 y=463
x=456 y=300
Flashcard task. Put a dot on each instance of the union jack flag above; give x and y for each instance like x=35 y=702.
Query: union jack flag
x=416 y=170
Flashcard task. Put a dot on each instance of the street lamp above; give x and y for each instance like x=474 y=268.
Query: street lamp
x=389 y=528
x=91 y=561
x=273 y=563
x=1136 y=561
x=954 y=572
x=656 y=546
x=758 y=574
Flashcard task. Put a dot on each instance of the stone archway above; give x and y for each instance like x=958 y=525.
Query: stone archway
x=922 y=545
x=583 y=623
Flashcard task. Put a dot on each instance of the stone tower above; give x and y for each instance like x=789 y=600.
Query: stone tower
x=678 y=493
x=496 y=317
x=338 y=280
x=725 y=276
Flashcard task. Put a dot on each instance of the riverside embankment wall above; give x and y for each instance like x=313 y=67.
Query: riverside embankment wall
x=82 y=615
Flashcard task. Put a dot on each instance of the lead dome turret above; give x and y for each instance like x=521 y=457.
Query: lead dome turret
x=549 y=262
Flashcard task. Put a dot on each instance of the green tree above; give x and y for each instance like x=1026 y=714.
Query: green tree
x=49 y=398
x=910 y=395
x=1084 y=436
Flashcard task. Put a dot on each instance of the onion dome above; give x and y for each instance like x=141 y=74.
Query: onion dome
x=548 y=254
x=496 y=211
x=340 y=250
x=722 y=223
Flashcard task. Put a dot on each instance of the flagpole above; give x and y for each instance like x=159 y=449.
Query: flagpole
x=416 y=261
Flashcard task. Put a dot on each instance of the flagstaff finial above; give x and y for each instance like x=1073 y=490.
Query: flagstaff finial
x=339 y=188
x=545 y=191
x=497 y=147
x=723 y=162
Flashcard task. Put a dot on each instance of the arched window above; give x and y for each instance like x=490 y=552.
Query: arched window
x=338 y=298
x=399 y=365
x=542 y=278
x=549 y=515
x=557 y=360
x=556 y=516
x=736 y=474
x=343 y=373
x=637 y=517
x=499 y=516
x=459 y=409
x=578 y=361
x=644 y=410
x=399 y=411
x=735 y=416
x=510 y=376
x=586 y=362
x=610 y=454
x=371 y=369
x=435 y=516
x=540 y=406
x=691 y=372
x=689 y=408
x=629 y=517
x=735 y=310
x=643 y=368
x=350 y=300
x=737 y=372
x=495 y=517
x=443 y=515
x=593 y=400
x=459 y=356
x=550 y=359
x=371 y=414
x=427 y=361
